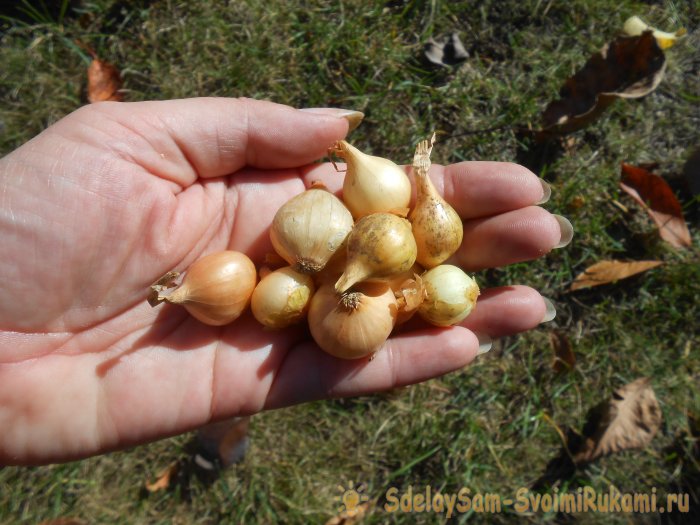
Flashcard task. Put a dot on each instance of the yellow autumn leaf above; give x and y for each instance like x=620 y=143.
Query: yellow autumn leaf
x=605 y=272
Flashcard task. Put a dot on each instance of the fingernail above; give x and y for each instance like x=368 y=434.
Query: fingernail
x=546 y=192
x=353 y=117
x=550 y=311
x=485 y=343
x=567 y=231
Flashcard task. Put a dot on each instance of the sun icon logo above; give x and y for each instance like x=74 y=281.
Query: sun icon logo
x=351 y=497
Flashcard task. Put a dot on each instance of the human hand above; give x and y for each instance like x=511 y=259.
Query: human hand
x=105 y=201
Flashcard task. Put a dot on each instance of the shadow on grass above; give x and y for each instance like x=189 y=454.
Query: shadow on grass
x=683 y=456
x=537 y=152
x=185 y=473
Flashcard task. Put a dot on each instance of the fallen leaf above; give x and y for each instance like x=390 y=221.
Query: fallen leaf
x=605 y=272
x=630 y=419
x=628 y=67
x=636 y=26
x=655 y=195
x=449 y=52
x=564 y=357
x=104 y=82
x=577 y=202
x=165 y=478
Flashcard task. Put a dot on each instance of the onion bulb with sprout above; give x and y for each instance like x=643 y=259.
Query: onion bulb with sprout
x=355 y=324
x=380 y=245
x=281 y=298
x=436 y=226
x=372 y=184
x=215 y=290
x=450 y=295
x=308 y=229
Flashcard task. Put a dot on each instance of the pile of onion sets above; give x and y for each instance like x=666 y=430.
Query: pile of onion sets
x=353 y=269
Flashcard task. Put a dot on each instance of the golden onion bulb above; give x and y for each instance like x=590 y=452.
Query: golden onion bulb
x=379 y=246
x=353 y=325
x=216 y=288
x=437 y=227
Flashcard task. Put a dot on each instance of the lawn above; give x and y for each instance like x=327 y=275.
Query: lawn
x=495 y=426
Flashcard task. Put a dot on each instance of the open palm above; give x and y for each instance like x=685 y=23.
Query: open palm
x=113 y=196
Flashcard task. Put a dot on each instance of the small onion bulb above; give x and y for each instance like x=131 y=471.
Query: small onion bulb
x=372 y=184
x=379 y=246
x=308 y=229
x=354 y=325
x=437 y=227
x=281 y=298
x=450 y=295
x=216 y=288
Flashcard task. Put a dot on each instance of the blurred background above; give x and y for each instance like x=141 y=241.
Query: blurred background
x=529 y=413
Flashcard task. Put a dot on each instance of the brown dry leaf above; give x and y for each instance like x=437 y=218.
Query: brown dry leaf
x=104 y=82
x=165 y=478
x=564 y=357
x=357 y=514
x=655 y=195
x=630 y=419
x=627 y=67
x=605 y=272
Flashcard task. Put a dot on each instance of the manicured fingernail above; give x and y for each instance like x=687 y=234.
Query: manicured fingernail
x=567 y=231
x=546 y=192
x=353 y=117
x=550 y=311
x=485 y=343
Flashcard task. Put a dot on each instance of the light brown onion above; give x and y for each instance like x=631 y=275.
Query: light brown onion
x=281 y=298
x=436 y=226
x=380 y=245
x=353 y=325
x=216 y=288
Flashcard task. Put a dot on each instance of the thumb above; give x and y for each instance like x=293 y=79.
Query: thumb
x=218 y=136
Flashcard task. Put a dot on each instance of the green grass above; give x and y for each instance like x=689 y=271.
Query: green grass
x=494 y=426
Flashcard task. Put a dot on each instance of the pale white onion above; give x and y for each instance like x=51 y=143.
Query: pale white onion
x=281 y=298
x=450 y=295
x=308 y=229
x=372 y=184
